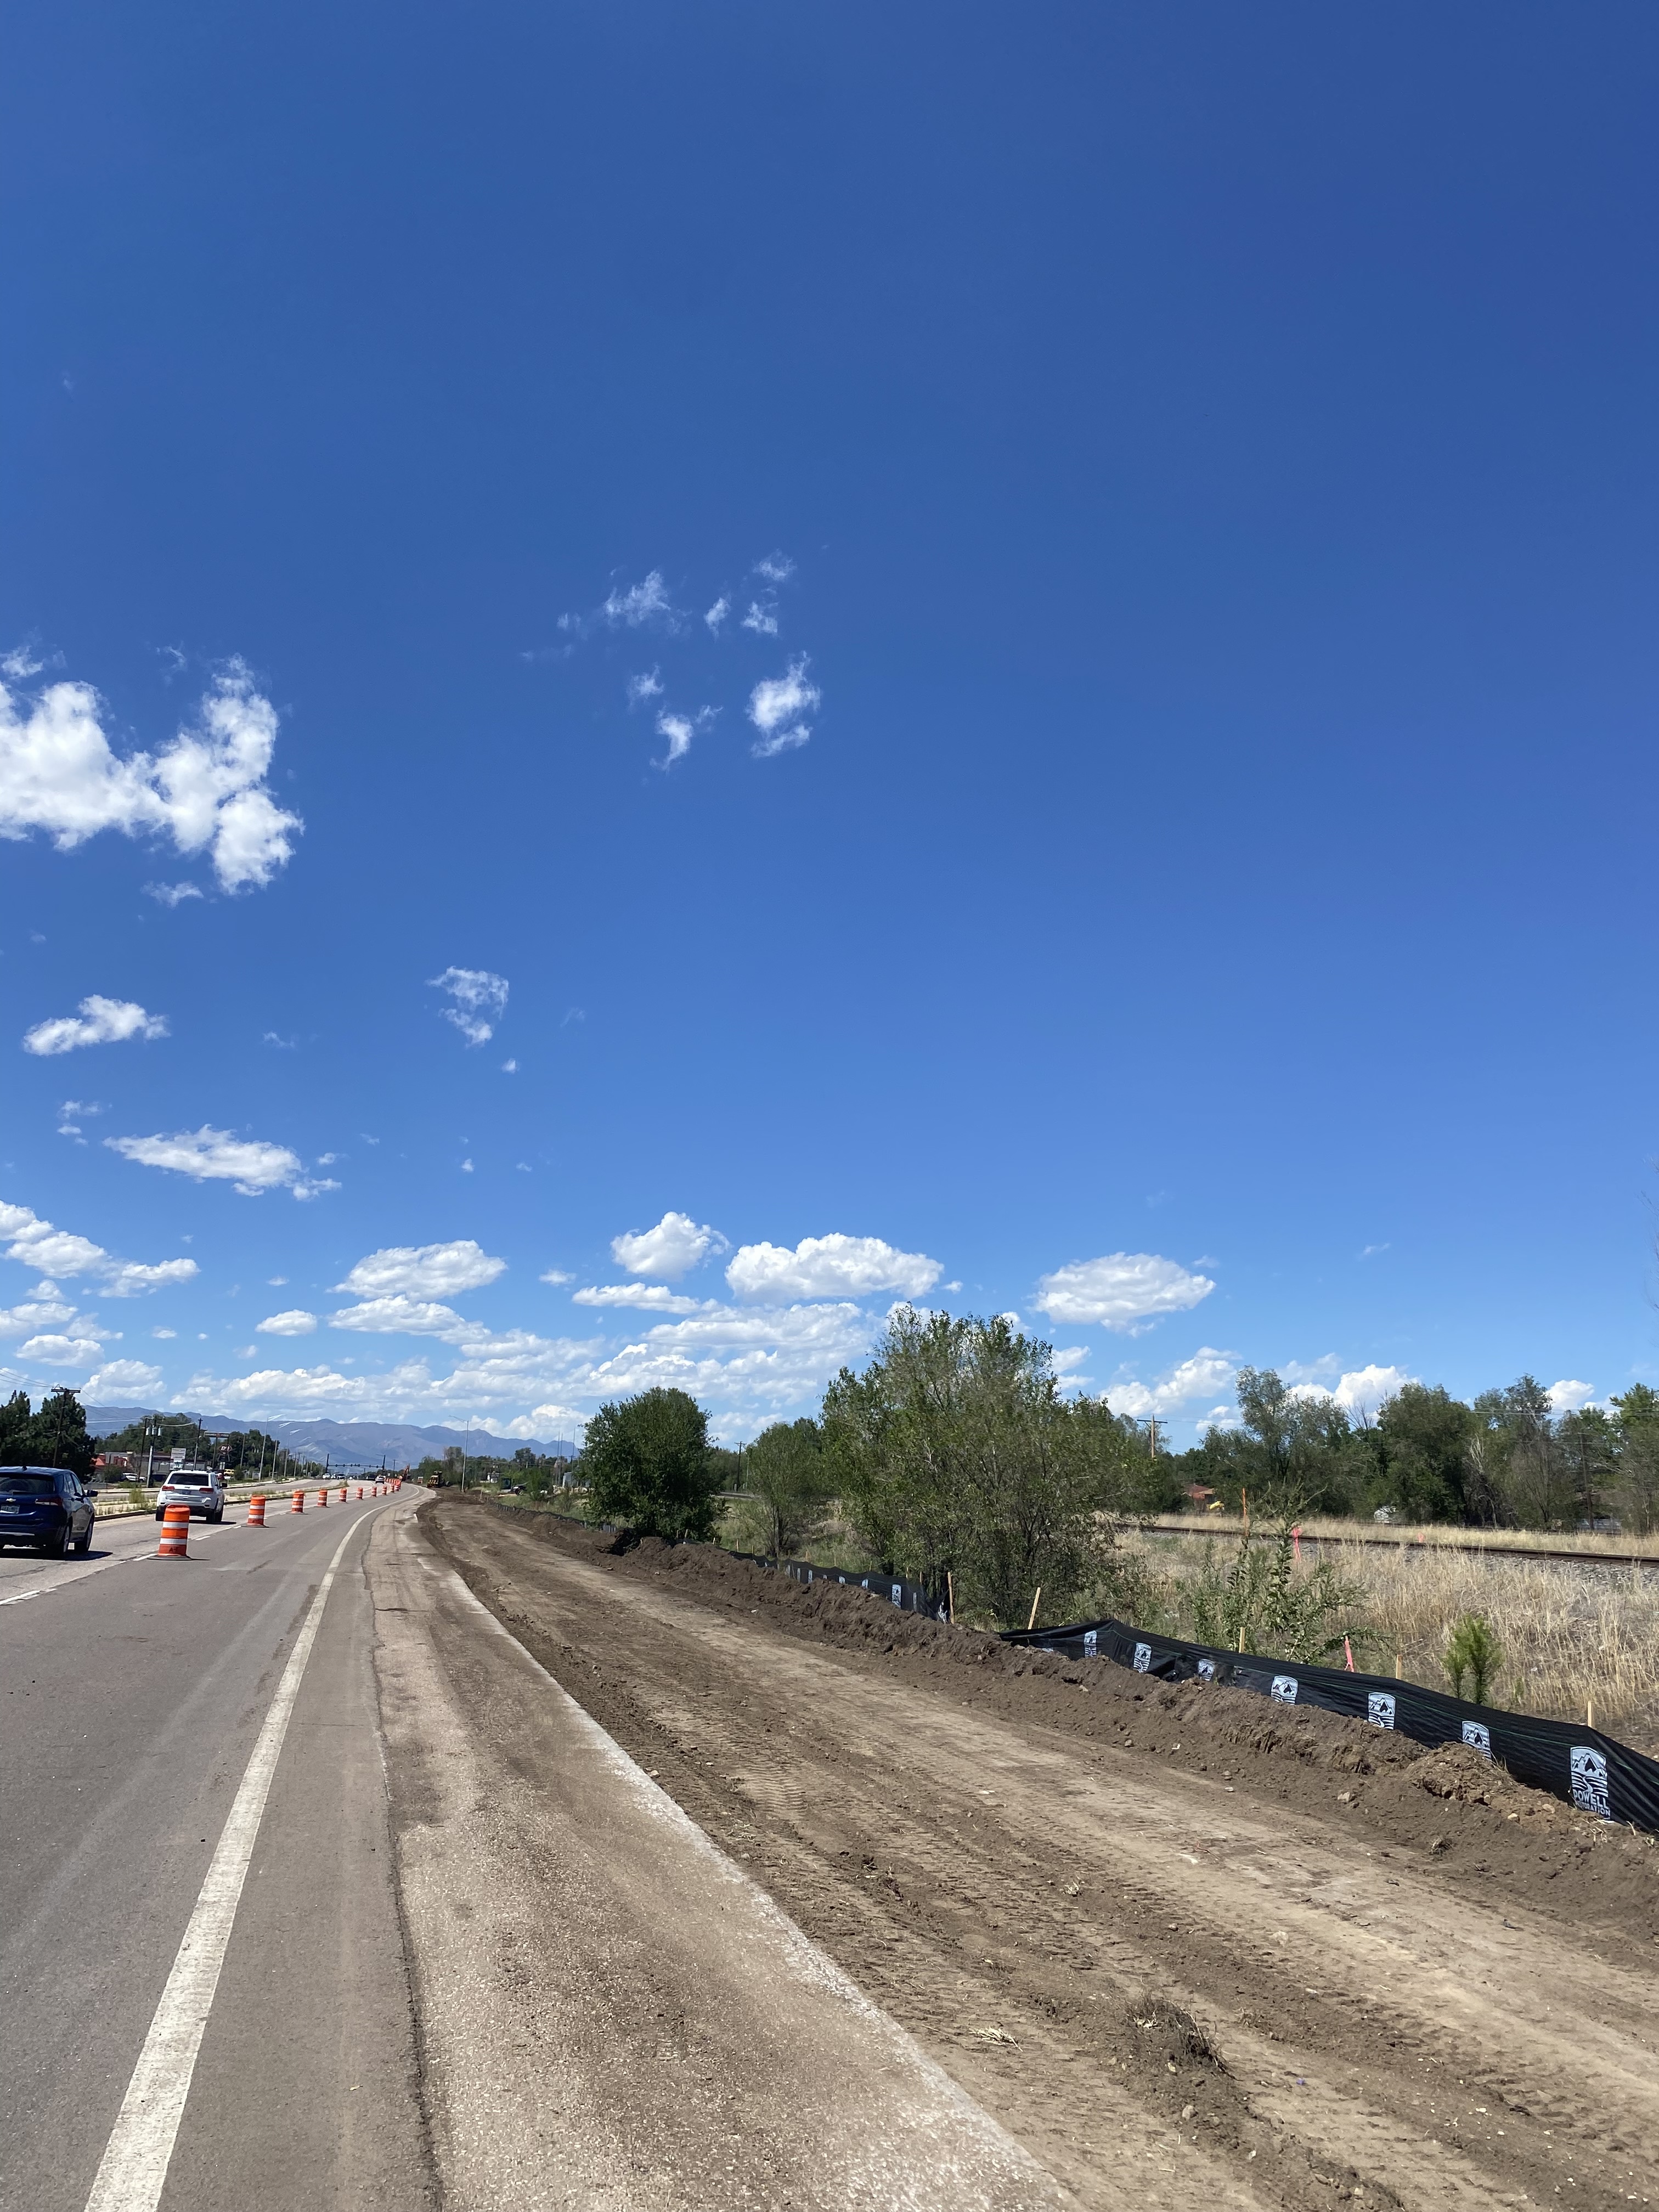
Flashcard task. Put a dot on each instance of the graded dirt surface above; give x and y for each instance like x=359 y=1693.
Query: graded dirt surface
x=1188 y=1950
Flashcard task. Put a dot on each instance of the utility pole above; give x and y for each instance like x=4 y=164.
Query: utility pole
x=1152 y=1425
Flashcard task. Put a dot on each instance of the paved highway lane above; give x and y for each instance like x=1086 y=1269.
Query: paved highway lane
x=132 y=1692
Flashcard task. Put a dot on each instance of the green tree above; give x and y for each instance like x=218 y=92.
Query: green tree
x=1261 y=1603
x=954 y=1453
x=1421 y=1443
x=15 y=1418
x=1288 y=1442
x=786 y=1470
x=57 y=1437
x=1636 y=1479
x=648 y=1466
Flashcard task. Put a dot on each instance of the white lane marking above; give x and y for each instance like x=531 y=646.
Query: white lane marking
x=134 y=2167
x=20 y=1595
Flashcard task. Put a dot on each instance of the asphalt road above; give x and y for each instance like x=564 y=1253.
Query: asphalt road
x=132 y=1692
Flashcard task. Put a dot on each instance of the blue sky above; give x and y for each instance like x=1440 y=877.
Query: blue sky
x=1159 y=842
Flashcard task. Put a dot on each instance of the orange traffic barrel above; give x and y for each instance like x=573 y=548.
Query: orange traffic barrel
x=297 y=1502
x=343 y=1493
x=175 y=1533
x=322 y=1498
x=359 y=1493
x=256 y=1510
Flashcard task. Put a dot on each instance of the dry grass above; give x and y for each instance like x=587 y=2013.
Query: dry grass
x=1571 y=1635
x=1429 y=1534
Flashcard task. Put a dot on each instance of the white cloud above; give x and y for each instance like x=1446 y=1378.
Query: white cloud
x=172 y=894
x=762 y=618
x=56 y=1252
x=642 y=688
x=100 y=1021
x=776 y=706
x=830 y=1267
x=121 y=1378
x=556 y=1275
x=676 y=1244
x=206 y=791
x=1569 y=1397
x=477 y=993
x=654 y=1297
x=1124 y=1291
x=776 y=568
x=718 y=613
x=679 y=732
x=210 y=1155
x=168 y=1334
x=639 y=603
x=296 y=1322
x=509 y=1067
x=398 y=1314
x=47 y=1308
x=63 y=1350
x=423 y=1271
x=21 y=663
x=1359 y=1391
x=1207 y=1371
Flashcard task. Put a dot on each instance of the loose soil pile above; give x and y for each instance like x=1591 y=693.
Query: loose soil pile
x=1277 y=1953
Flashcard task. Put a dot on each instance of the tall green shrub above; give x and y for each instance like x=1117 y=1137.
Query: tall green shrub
x=647 y=1467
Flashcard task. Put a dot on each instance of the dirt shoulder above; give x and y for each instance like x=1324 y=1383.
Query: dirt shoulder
x=1263 y=1955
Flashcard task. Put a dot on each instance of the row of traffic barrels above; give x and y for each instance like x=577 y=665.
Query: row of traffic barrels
x=175 y=1521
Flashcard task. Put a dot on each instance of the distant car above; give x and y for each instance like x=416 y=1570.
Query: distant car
x=201 y=1488
x=47 y=1508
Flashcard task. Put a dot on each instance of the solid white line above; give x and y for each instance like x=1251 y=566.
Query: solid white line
x=134 y=2167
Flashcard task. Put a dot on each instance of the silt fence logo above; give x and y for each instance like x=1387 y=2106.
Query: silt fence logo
x=1379 y=1707
x=1590 y=1779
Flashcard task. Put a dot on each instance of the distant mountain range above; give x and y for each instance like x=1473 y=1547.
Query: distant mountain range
x=347 y=1444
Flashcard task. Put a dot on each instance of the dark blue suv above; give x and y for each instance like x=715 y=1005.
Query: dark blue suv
x=46 y=1508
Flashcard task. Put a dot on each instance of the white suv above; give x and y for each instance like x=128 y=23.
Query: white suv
x=201 y=1488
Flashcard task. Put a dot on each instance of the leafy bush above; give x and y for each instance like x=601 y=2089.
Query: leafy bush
x=1261 y=1603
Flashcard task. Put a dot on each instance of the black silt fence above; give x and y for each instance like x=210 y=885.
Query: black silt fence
x=1589 y=1769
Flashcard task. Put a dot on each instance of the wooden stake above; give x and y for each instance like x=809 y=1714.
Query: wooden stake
x=1036 y=1603
x=1241 y=1639
x=1398 y=1666
x=951 y=1595
x=1589 y=1714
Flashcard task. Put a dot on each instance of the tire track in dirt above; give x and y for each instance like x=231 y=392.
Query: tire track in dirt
x=1011 y=1892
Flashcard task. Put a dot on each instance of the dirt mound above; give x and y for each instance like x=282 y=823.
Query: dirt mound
x=1469 y=1817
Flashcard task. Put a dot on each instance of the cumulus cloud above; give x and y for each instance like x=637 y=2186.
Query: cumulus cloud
x=718 y=613
x=1359 y=1391
x=830 y=1267
x=397 y=1315
x=296 y=1322
x=1127 y=1291
x=642 y=688
x=63 y=1350
x=776 y=568
x=653 y=1297
x=56 y=1253
x=120 y=1379
x=47 y=1308
x=476 y=994
x=423 y=1271
x=100 y=1021
x=210 y=1155
x=1201 y=1377
x=1569 y=1397
x=206 y=791
x=676 y=1244
x=762 y=617
x=777 y=708
x=172 y=894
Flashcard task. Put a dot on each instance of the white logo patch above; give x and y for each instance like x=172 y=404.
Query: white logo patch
x=1590 y=1779
x=1379 y=1707
x=1143 y=1657
x=1285 y=1689
x=898 y=1593
x=1207 y=1670
x=1477 y=1737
